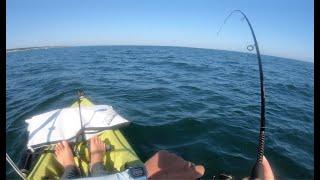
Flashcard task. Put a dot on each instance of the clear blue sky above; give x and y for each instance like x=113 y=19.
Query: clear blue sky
x=283 y=28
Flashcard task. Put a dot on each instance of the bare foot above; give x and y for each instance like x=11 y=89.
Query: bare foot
x=97 y=150
x=64 y=154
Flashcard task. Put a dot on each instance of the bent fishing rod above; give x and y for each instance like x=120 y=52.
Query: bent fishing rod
x=257 y=170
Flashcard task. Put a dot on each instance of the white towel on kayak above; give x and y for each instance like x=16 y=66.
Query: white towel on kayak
x=64 y=124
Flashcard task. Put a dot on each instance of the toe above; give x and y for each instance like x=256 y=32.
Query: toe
x=92 y=140
x=104 y=147
x=56 y=147
x=59 y=146
x=99 y=141
x=96 y=140
x=65 y=144
x=57 y=150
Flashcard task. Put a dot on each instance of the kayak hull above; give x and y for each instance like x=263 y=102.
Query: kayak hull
x=120 y=157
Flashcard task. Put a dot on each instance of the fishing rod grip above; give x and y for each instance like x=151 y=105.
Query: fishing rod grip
x=257 y=171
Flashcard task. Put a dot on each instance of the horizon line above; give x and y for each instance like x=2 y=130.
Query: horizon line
x=63 y=46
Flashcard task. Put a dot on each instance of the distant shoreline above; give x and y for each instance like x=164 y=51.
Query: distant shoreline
x=32 y=48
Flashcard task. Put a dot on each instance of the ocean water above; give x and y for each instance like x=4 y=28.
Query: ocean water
x=201 y=104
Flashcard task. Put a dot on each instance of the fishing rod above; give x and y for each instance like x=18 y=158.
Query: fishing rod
x=257 y=170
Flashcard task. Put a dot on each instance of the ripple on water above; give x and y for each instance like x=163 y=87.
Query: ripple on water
x=201 y=104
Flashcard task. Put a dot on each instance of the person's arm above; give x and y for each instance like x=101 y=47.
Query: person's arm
x=267 y=171
x=165 y=165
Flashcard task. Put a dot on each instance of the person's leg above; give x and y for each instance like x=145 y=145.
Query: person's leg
x=70 y=172
x=65 y=158
x=97 y=151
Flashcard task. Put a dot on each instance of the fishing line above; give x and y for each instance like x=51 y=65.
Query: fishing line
x=257 y=170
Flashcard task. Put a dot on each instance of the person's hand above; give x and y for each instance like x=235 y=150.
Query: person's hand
x=267 y=171
x=165 y=165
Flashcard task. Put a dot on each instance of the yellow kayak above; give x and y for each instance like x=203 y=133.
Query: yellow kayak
x=118 y=159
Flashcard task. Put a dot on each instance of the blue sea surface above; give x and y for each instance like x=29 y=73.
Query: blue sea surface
x=201 y=104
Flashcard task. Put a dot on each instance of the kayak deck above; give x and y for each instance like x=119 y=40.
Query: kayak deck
x=118 y=159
